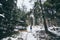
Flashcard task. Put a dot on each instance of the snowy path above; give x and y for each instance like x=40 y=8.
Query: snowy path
x=26 y=35
x=29 y=36
x=29 y=33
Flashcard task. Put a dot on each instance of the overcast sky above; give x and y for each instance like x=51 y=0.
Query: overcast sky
x=29 y=5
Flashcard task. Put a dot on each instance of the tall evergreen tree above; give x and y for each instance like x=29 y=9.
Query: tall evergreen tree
x=7 y=7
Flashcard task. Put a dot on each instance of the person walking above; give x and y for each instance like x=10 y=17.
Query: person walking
x=31 y=19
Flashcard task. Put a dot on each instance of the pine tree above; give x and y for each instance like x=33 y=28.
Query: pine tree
x=7 y=7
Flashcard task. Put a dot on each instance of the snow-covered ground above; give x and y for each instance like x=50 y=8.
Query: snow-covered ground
x=30 y=34
x=26 y=35
x=55 y=30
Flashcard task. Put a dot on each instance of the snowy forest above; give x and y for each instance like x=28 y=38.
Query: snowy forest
x=38 y=21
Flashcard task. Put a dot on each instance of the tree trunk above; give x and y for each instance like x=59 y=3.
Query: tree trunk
x=44 y=21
